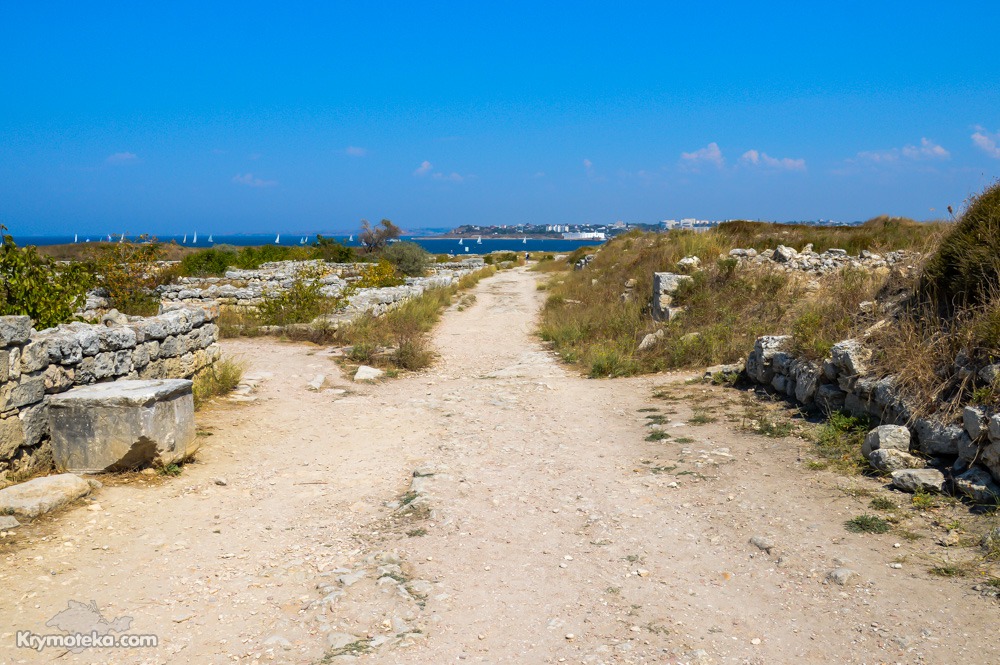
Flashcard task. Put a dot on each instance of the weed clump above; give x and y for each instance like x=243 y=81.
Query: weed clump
x=966 y=267
x=867 y=524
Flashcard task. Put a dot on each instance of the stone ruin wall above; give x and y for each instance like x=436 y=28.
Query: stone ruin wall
x=177 y=343
x=842 y=382
x=248 y=288
x=970 y=451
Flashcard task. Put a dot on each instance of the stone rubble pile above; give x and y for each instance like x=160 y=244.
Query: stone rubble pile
x=968 y=452
x=829 y=261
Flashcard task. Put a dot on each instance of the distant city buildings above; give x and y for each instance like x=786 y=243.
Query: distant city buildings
x=600 y=232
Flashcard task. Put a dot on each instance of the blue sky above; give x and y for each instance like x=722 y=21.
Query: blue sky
x=253 y=116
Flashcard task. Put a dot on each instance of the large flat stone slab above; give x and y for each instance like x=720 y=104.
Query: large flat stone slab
x=122 y=425
x=42 y=495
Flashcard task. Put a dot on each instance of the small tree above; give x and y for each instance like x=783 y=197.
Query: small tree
x=375 y=238
x=33 y=285
x=409 y=257
x=129 y=273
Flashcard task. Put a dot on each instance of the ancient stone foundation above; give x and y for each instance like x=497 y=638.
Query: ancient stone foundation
x=34 y=365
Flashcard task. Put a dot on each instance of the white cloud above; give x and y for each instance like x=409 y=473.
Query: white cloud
x=755 y=158
x=987 y=142
x=427 y=169
x=927 y=150
x=587 y=164
x=122 y=158
x=710 y=154
x=355 y=151
x=249 y=180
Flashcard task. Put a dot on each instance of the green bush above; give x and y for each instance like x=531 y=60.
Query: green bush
x=410 y=258
x=965 y=269
x=332 y=251
x=301 y=303
x=129 y=273
x=209 y=262
x=33 y=285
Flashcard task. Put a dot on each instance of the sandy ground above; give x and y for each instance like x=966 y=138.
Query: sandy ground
x=542 y=528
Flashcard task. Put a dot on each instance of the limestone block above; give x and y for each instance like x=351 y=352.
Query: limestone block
x=14 y=330
x=886 y=437
x=918 y=480
x=122 y=425
x=27 y=389
x=937 y=438
x=35 y=422
x=58 y=378
x=11 y=436
x=889 y=460
x=807 y=376
x=42 y=495
x=978 y=485
x=850 y=357
x=116 y=338
x=830 y=398
x=34 y=356
x=760 y=362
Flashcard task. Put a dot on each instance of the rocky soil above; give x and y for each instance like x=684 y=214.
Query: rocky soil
x=494 y=509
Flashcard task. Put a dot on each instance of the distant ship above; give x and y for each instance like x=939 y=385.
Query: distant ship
x=76 y=238
x=184 y=241
x=210 y=238
x=524 y=241
x=351 y=239
x=460 y=242
x=585 y=235
x=195 y=240
x=479 y=240
x=277 y=239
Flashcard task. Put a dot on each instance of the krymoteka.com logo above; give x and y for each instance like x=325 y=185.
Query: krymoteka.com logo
x=84 y=627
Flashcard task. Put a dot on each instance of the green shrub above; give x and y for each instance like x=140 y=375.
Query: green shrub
x=867 y=524
x=332 y=251
x=966 y=267
x=408 y=257
x=35 y=286
x=221 y=378
x=301 y=303
x=208 y=262
x=129 y=273
x=378 y=275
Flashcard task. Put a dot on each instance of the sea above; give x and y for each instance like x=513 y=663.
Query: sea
x=433 y=244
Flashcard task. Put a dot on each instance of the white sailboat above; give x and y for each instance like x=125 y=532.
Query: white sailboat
x=210 y=238
x=466 y=249
x=459 y=241
x=351 y=239
x=195 y=240
x=76 y=238
x=277 y=239
x=524 y=241
x=479 y=240
x=184 y=241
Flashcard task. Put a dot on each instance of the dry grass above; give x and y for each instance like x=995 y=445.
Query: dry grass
x=221 y=378
x=728 y=305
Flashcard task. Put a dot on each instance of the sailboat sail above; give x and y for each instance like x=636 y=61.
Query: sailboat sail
x=277 y=239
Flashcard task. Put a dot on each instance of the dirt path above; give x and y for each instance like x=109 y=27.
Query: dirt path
x=542 y=528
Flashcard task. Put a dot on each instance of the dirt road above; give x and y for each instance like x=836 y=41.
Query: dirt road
x=541 y=527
